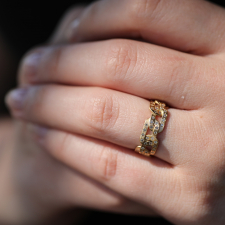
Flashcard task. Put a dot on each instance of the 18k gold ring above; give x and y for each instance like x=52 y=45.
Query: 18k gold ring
x=152 y=127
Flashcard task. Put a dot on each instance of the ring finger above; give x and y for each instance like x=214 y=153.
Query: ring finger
x=103 y=114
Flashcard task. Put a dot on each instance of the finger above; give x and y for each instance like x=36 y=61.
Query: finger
x=143 y=180
x=62 y=32
x=187 y=26
x=103 y=114
x=134 y=67
x=72 y=188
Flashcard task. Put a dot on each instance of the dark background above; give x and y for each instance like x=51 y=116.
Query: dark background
x=27 y=24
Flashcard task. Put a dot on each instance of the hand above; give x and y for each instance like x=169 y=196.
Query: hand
x=185 y=181
x=38 y=189
x=191 y=26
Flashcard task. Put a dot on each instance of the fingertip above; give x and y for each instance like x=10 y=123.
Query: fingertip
x=29 y=67
x=14 y=99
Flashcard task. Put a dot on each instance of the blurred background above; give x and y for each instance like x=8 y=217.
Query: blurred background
x=24 y=25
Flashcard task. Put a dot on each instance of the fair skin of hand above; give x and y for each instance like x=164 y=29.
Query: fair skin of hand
x=84 y=104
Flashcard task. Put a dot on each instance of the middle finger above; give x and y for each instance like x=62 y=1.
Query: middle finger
x=134 y=67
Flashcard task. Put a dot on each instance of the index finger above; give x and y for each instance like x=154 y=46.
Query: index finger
x=191 y=26
x=61 y=32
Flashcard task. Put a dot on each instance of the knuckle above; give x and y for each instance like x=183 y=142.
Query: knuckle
x=102 y=111
x=120 y=60
x=107 y=161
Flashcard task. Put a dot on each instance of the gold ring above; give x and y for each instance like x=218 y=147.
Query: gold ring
x=152 y=127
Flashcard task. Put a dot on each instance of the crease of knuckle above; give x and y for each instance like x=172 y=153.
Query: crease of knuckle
x=106 y=164
x=141 y=11
x=121 y=60
x=102 y=112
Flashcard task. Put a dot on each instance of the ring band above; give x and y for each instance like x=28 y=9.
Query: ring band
x=149 y=142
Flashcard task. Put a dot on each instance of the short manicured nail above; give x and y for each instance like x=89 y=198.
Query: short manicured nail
x=72 y=30
x=39 y=133
x=15 y=99
x=30 y=65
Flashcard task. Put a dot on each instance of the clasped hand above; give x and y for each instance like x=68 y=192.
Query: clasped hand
x=83 y=100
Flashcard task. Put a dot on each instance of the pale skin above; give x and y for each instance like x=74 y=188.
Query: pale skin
x=81 y=108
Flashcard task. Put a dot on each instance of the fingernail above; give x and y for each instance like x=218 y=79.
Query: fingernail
x=15 y=99
x=39 y=133
x=30 y=65
x=72 y=30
